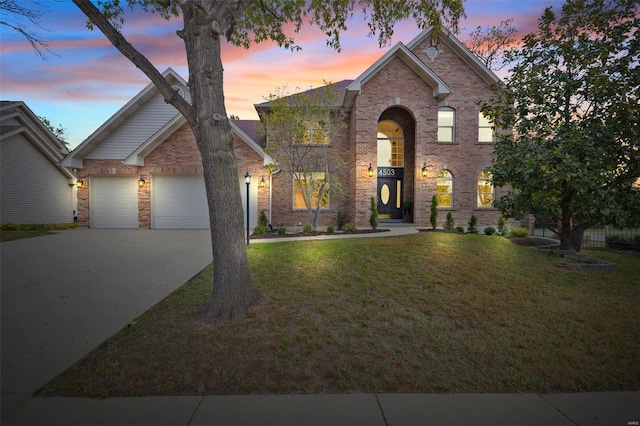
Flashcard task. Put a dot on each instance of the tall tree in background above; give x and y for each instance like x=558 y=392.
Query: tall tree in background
x=21 y=17
x=572 y=100
x=489 y=44
x=300 y=131
x=243 y=22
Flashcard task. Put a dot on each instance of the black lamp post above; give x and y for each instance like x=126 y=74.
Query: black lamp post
x=247 y=180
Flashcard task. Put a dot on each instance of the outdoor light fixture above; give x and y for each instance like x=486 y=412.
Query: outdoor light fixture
x=370 y=170
x=247 y=181
x=141 y=181
x=79 y=183
x=262 y=182
x=424 y=170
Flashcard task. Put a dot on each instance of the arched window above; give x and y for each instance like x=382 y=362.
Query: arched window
x=444 y=189
x=446 y=124
x=390 y=144
x=485 y=189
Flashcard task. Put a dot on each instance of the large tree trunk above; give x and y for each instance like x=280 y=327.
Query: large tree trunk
x=233 y=290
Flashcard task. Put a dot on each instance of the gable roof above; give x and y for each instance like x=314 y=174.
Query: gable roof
x=129 y=109
x=340 y=87
x=30 y=126
x=459 y=49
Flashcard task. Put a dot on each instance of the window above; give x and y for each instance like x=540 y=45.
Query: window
x=314 y=180
x=486 y=130
x=444 y=189
x=485 y=189
x=390 y=144
x=446 y=120
x=315 y=132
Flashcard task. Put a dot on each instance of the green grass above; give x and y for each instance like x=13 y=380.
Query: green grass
x=12 y=231
x=431 y=312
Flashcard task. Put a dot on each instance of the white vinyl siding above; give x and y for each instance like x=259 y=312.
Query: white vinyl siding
x=32 y=188
x=134 y=131
x=180 y=202
x=113 y=201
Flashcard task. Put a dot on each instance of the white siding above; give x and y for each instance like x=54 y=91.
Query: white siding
x=33 y=190
x=135 y=130
x=113 y=201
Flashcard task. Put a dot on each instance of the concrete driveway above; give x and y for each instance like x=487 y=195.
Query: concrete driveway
x=64 y=294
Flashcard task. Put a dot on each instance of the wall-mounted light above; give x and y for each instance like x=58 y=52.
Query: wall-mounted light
x=424 y=170
x=370 y=171
x=141 y=181
x=79 y=183
x=262 y=182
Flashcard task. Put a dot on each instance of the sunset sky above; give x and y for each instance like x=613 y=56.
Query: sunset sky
x=85 y=80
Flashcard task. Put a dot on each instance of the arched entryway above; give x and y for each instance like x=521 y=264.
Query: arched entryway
x=395 y=160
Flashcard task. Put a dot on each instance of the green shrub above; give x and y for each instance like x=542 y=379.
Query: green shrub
x=9 y=227
x=330 y=229
x=373 y=218
x=460 y=229
x=282 y=230
x=621 y=243
x=502 y=227
x=450 y=224
x=473 y=225
x=307 y=229
x=262 y=220
x=518 y=232
x=259 y=230
x=433 y=218
x=341 y=220
x=489 y=230
x=350 y=227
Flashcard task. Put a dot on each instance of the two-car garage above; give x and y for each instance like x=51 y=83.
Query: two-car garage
x=177 y=201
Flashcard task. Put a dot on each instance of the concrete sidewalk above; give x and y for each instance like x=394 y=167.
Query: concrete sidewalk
x=63 y=295
x=582 y=409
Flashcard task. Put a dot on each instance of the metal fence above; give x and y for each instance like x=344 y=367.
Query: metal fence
x=599 y=237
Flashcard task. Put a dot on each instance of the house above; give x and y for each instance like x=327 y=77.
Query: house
x=34 y=188
x=414 y=130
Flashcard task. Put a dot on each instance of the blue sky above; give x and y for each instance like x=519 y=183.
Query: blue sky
x=85 y=80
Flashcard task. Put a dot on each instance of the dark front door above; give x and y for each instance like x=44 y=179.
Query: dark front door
x=389 y=193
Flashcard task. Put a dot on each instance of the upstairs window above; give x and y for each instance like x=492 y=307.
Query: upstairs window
x=485 y=189
x=486 y=130
x=390 y=144
x=446 y=124
x=444 y=189
x=316 y=132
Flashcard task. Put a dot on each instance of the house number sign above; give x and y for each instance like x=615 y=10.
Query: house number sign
x=390 y=171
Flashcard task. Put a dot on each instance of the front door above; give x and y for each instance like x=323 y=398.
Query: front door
x=389 y=193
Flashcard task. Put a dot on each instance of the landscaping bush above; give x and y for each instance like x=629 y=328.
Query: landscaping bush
x=307 y=229
x=518 y=232
x=489 y=230
x=373 y=218
x=620 y=243
x=262 y=220
x=350 y=227
x=450 y=224
x=341 y=220
x=282 y=230
x=259 y=230
x=330 y=229
x=433 y=218
x=473 y=225
x=502 y=227
x=460 y=229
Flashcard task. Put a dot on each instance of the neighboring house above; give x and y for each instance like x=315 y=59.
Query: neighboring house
x=34 y=188
x=414 y=130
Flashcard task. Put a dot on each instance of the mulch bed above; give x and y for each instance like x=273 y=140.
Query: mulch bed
x=272 y=235
x=531 y=241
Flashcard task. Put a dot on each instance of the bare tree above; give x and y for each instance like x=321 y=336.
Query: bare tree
x=490 y=43
x=16 y=15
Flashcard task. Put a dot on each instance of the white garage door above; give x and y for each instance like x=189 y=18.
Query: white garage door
x=180 y=202
x=113 y=201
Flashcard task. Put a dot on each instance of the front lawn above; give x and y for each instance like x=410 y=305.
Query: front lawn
x=430 y=312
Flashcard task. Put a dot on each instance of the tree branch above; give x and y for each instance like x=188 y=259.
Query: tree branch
x=138 y=59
